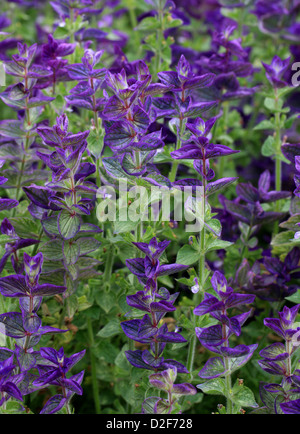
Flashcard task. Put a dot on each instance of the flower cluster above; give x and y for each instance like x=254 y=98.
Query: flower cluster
x=17 y=378
x=216 y=337
x=157 y=302
x=139 y=105
x=165 y=381
x=277 y=359
x=62 y=202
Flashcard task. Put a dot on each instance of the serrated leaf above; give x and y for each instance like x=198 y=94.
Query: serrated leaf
x=52 y=250
x=268 y=148
x=243 y=396
x=68 y=224
x=110 y=329
x=213 y=387
x=187 y=255
x=71 y=252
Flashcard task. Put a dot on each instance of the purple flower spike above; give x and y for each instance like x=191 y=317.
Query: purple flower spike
x=276 y=70
x=13 y=246
x=277 y=360
x=216 y=338
x=165 y=381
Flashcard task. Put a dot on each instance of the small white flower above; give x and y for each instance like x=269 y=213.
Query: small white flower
x=195 y=289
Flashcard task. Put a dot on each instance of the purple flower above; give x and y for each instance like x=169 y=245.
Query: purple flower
x=16 y=243
x=149 y=269
x=9 y=381
x=183 y=81
x=277 y=360
x=55 y=373
x=252 y=212
x=276 y=70
x=6 y=203
x=165 y=381
x=269 y=279
x=216 y=338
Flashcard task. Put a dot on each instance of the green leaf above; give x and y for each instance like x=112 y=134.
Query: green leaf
x=270 y=104
x=72 y=305
x=61 y=33
x=13 y=407
x=4 y=239
x=268 y=148
x=68 y=224
x=122 y=227
x=213 y=387
x=106 y=300
x=110 y=329
x=264 y=125
x=243 y=396
x=25 y=227
x=214 y=226
x=87 y=245
x=52 y=250
x=71 y=252
x=170 y=22
x=216 y=244
x=148 y=23
x=187 y=255
x=114 y=169
x=83 y=303
x=12 y=129
x=295 y=298
x=50 y=225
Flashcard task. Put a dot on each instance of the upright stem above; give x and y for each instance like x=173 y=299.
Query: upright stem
x=228 y=388
x=93 y=368
x=228 y=382
x=202 y=246
x=191 y=354
x=160 y=37
x=108 y=266
x=277 y=146
x=133 y=19
x=278 y=163
x=175 y=164
x=201 y=280
x=19 y=181
x=225 y=129
x=2 y=306
x=289 y=349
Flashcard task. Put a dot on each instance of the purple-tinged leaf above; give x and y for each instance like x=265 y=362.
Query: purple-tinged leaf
x=54 y=404
x=213 y=368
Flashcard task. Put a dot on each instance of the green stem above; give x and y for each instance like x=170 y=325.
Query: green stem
x=201 y=281
x=160 y=37
x=2 y=306
x=173 y=173
x=278 y=168
x=72 y=35
x=278 y=163
x=225 y=129
x=289 y=349
x=133 y=19
x=19 y=181
x=108 y=266
x=93 y=368
x=228 y=388
x=191 y=355
x=228 y=382
x=175 y=164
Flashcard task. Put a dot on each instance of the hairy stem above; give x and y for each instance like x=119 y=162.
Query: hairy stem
x=93 y=368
